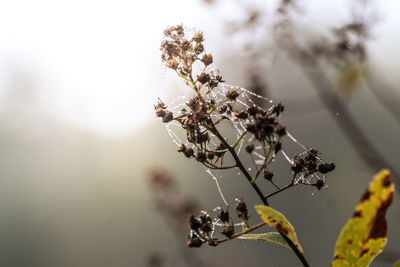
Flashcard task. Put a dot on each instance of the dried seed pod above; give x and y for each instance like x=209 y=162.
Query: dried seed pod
x=240 y=115
x=268 y=175
x=182 y=148
x=201 y=156
x=232 y=94
x=185 y=45
x=241 y=210
x=206 y=223
x=199 y=49
x=278 y=109
x=228 y=230
x=168 y=116
x=249 y=148
x=280 y=130
x=194 y=242
x=278 y=147
x=203 y=78
x=211 y=155
x=326 y=167
x=253 y=110
x=319 y=184
x=223 y=216
x=194 y=223
x=219 y=78
x=207 y=59
x=160 y=112
x=297 y=165
x=172 y=64
x=198 y=37
x=189 y=152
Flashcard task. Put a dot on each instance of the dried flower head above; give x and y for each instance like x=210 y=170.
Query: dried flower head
x=257 y=128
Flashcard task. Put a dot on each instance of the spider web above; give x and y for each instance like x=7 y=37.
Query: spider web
x=245 y=100
x=236 y=128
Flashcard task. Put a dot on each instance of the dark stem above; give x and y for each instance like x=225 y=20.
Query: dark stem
x=260 y=194
x=283 y=188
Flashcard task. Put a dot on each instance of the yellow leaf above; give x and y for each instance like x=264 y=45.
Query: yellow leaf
x=397 y=263
x=277 y=220
x=365 y=234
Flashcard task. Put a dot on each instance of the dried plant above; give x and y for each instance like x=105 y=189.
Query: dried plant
x=202 y=117
x=341 y=50
x=259 y=129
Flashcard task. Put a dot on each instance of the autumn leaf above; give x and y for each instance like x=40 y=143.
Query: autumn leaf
x=277 y=220
x=271 y=237
x=365 y=234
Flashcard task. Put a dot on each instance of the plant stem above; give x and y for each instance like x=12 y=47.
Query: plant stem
x=283 y=188
x=248 y=230
x=239 y=139
x=210 y=126
x=215 y=131
x=266 y=158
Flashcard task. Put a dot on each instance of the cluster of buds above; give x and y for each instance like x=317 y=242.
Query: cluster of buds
x=180 y=53
x=201 y=227
x=308 y=164
x=263 y=124
x=259 y=129
x=163 y=113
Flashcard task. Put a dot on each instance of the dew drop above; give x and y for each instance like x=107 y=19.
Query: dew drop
x=249 y=169
x=337 y=114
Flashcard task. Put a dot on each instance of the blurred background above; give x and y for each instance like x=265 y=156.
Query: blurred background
x=78 y=135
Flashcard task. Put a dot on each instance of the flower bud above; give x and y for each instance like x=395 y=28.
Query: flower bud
x=172 y=64
x=232 y=94
x=249 y=148
x=198 y=37
x=268 y=175
x=207 y=59
x=168 y=116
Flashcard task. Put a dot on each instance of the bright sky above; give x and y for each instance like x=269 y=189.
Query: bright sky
x=96 y=63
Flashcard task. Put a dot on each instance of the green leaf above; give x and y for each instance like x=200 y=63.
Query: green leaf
x=365 y=234
x=277 y=220
x=272 y=237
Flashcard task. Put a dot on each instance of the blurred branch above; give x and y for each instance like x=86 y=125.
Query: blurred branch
x=346 y=121
x=385 y=94
x=175 y=209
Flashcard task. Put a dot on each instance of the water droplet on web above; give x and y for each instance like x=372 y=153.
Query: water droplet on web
x=337 y=114
x=239 y=173
x=249 y=169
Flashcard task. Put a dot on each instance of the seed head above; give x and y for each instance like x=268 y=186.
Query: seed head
x=207 y=59
x=249 y=148
x=198 y=37
x=232 y=94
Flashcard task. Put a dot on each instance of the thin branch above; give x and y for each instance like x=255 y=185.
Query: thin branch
x=215 y=131
x=248 y=230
